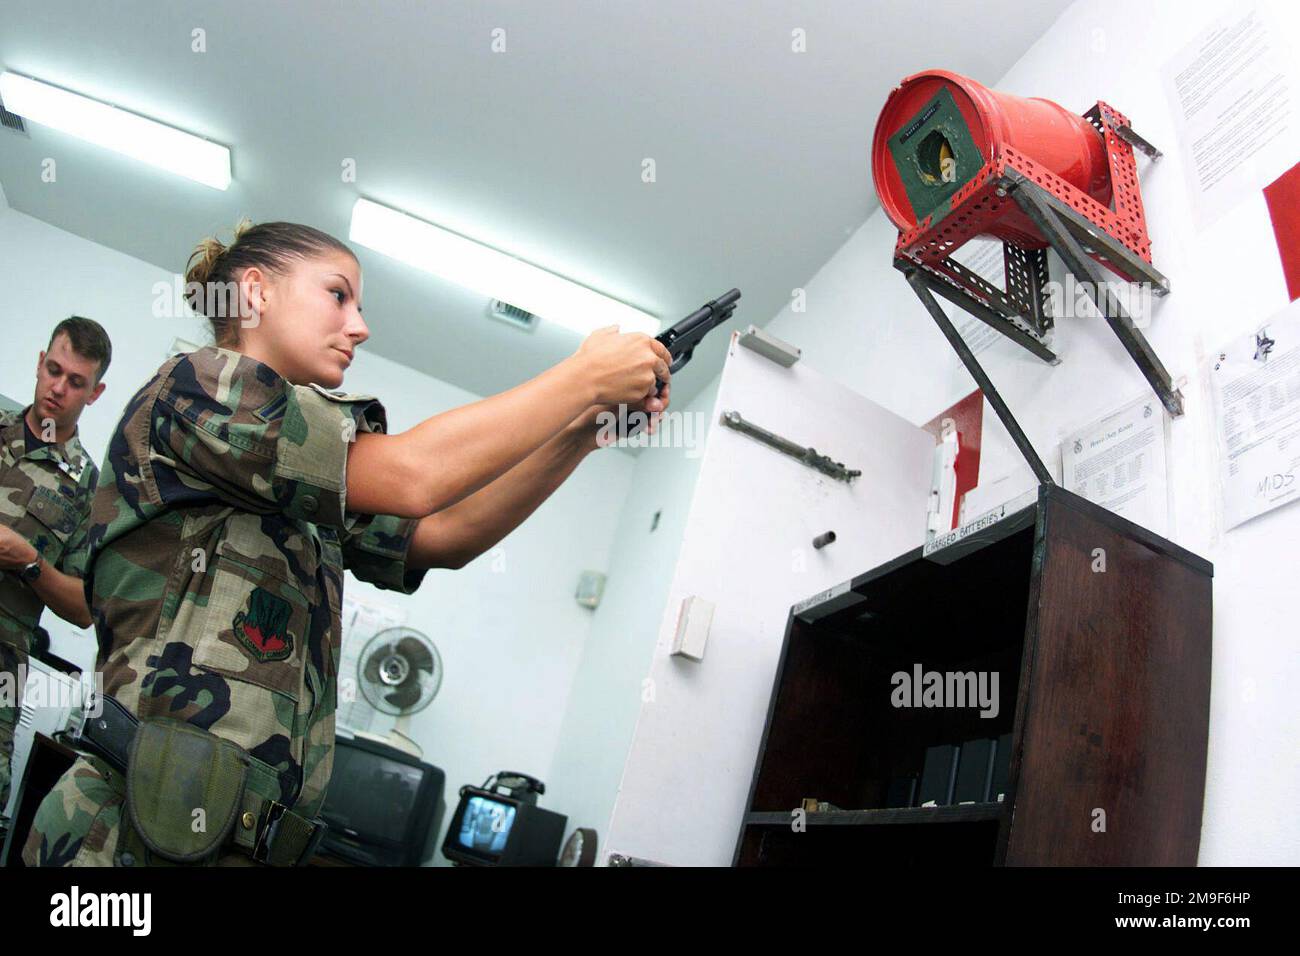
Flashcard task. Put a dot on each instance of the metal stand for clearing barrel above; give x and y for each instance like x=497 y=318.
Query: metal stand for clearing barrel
x=1075 y=240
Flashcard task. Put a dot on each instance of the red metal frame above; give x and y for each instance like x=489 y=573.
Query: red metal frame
x=978 y=205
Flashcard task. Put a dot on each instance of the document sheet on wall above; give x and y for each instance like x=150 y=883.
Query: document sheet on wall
x=1120 y=463
x=1255 y=380
x=1232 y=92
x=985 y=258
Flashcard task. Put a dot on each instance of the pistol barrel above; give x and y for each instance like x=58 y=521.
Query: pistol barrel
x=709 y=315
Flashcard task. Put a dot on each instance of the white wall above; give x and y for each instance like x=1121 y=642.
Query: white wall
x=602 y=710
x=510 y=633
x=865 y=327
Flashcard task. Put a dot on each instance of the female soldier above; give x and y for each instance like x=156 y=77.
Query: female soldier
x=235 y=491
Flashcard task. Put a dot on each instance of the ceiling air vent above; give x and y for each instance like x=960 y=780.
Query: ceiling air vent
x=12 y=120
x=513 y=315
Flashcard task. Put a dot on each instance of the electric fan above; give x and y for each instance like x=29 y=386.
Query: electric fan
x=400 y=672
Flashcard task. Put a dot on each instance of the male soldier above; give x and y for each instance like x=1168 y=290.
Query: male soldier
x=46 y=483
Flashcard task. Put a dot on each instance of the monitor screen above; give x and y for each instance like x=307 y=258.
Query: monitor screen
x=485 y=825
x=372 y=795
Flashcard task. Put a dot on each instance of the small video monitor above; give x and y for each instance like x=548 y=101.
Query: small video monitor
x=492 y=829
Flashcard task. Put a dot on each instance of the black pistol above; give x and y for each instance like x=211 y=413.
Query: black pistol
x=682 y=338
x=680 y=341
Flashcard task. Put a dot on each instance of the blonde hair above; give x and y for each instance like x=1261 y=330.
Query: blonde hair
x=214 y=267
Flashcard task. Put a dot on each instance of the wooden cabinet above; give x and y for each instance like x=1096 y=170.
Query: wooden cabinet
x=1099 y=633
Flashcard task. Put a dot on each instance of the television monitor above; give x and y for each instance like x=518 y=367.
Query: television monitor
x=384 y=806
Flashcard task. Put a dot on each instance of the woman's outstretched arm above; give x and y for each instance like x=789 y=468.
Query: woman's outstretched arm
x=451 y=456
x=457 y=535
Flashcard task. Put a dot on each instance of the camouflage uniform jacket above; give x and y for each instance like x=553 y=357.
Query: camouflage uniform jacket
x=218 y=539
x=44 y=496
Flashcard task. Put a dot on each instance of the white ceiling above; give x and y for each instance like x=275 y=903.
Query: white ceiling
x=761 y=153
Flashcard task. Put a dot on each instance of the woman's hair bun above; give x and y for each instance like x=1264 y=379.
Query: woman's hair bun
x=203 y=259
x=203 y=262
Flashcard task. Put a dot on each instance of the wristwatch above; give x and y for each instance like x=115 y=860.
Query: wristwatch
x=30 y=572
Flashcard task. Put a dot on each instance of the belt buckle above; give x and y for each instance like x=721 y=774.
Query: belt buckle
x=267 y=828
x=320 y=827
x=79 y=718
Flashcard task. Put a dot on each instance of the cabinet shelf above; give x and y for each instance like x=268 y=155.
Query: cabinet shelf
x=1093 y=637
x=886 y=815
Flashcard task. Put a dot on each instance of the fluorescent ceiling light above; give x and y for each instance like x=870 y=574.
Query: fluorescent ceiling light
x=116 y=129
x=491 y=273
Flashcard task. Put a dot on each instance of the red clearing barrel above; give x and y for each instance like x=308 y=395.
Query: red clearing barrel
x=938 y=129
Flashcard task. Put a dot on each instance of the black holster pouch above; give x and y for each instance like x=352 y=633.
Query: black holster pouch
x=184 y=788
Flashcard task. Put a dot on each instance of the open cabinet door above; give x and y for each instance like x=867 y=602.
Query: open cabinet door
x=748 y=551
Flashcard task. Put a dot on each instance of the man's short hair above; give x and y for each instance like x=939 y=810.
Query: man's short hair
x=88 y=339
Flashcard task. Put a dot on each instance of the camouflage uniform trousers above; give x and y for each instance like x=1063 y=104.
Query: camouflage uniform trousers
x=12 y=661
x=85 y=817
x=80 y=821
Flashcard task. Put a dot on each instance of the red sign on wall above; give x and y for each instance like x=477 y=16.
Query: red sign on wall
x=967 y=417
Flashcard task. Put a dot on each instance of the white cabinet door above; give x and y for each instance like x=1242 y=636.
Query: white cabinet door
x=748 y=550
